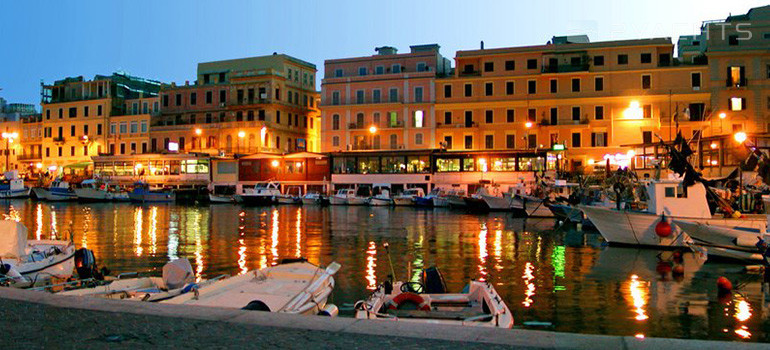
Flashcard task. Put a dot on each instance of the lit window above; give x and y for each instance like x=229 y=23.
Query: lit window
x=418 y=119
x=736 y=104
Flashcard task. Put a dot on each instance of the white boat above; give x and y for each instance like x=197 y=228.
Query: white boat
x=406 y=198
x=260 y=195
x=29 y=262
x=288 y=197
x=178 y=278
x=440 y=199
x=221 y=193
x=494 y=199
x=311 y=198
x=381 y=197
x=220 y=198
x=58 y=190
x=13 y=187
x=93 y=190
x=632 y=227
x=296 y=288
x=347 y=196
x=531 y=206
x=727 y=242
x=456 y=198
x=428 y=302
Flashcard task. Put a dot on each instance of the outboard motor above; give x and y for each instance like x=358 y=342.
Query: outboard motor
x=433 y=281
x=85 y=264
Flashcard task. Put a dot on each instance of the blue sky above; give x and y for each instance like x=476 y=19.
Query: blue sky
x=164 y=40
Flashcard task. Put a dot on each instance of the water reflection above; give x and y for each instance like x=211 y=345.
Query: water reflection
x=568 y=279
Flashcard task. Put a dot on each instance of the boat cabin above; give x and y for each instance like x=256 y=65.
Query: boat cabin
x=671 y=198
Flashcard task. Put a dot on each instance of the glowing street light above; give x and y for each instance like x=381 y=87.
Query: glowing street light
x=8 y=136
x=528 y=125
x=372 y=129
x=722 y=115
x=241 y=135
x=274 y=163
x=714 y=145
x=198 y=131
x=740 y=137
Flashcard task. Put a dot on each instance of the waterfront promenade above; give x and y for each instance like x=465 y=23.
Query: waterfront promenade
x=36 y=320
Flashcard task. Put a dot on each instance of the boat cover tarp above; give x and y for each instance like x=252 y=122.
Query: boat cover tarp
x=177 y=273
x=13 y=239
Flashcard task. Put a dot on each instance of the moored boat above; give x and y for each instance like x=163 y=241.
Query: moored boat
x=295 y=287
x=13 y=187
x=58 y=190
x=288 y=197
x=407 y=197
x=456 y=198
x=220 y=198
x=260 y=195
x=347 y=196
x=25 y=262
x=740 y=243
x=429 y=302
x=94 y=190
x=143 y=194
x=531 y=206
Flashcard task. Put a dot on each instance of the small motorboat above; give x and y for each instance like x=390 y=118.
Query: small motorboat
x=95 y=190
x=290 y=197
x=456 y=198
x=296 y=287
x=13 y=187
x=221 y=193
x=220 y=198
x=530 y=206
x=428 y=201
x=407 y=197
x=493 y=198
x=441 y=200
x=143 y=194
x=178 y=278
x=311 y=198
x=429 y=302
x=58 y=190
x=261 y=194
x=381 y=197
x=25 y=263
x=738 y=243
x=347 y=196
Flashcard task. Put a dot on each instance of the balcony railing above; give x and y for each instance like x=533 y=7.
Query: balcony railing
x=563 y=68
x=29 y=157
x=457 y=125
x=736 y=83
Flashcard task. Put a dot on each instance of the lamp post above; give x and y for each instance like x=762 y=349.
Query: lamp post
x=372 y=131
x=241 y=135
x=722 y=117
x=527 y=126
x=198 y=133
x=8 y=136
x=740 y=137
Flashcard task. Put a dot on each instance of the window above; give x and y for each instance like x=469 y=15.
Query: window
x=468 y=69
x=393 y=119
x=531 y=114
x=447 y=118
x=335 y=98
x=696 y=111
x=532 y=63
x=599 y=112
x=623 y=59
x=113 y=128
x=509 y=88
x=489 y=117
x=359 y=96
x=554 y=116
x=376 y=96
x=599 y=84
x=85 y=111
x=598 y=60
x=98 y=129
x=664 y=59
x=646 y=81
x=575 y=139
x=489 y=66
x=532 y=141
x=510 y=65
x=576 y=113
x=123 y=127
x=165 y=100
x=488 y=89
x=418 y=94
x=61 y=113
x=554 y=86
x=134 y=127
x=393 y=141
x=447 y=91
x=47 y=114
x=393 y=97
x=647 y=137
x=510 y=141
x=193 y=98
x=338 y=73
x=647 y=111
x=732 y=40
x=531 y=87
x=379 y=70
x=489 y=141
x=209 y=97
x=575 y=84
x=73 y=112
x=335 y=142
x=361 y=71
x=468 y=142
x=336 y=122
x=396 y=68
x=72 y=130
x=646 y=58
x=178 y=99
x=736 y=103
x=468 y=119
x=99 y=110
x=598 y=139
x=418 y=139
x=419 y=119
x=144 y=127
x=448 y=142
x=468 y=90
x=222 y=96
x=510 y=116
x=736 y=76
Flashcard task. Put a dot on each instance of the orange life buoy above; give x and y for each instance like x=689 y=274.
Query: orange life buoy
x=415 y=298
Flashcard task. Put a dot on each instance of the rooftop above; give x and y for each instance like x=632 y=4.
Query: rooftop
x=274 y=61
x=568 y=45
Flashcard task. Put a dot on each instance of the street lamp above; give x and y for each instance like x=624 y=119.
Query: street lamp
x=372 y=129
x=241 y=135
x=740 y=137
x=198 y=133
x=8 y=136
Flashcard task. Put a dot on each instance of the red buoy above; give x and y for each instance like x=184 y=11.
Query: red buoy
x=663 y=268
x=724 y=284
x=663 y=228
x=678 y=270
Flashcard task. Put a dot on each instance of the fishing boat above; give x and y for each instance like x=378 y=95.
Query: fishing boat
x=177 y=278
x=261 y=194
x=288 y=197
x=651 y=226
x=456 y=198
x=296 y=287
x=407 y=197
x=347 y=196
x=311 y=198
x=429 y=302
x=531 y=206
x=739 y=243
x=143 y=194
x=58 y=190
x=492 y=198
x=381 y=197
x=13 y=187
x=566 y=212
x=25 y=263
x=94 y=190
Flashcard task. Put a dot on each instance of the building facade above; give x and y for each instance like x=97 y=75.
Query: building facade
x=241 y=106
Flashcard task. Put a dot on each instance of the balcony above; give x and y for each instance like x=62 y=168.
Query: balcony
x=736 y=83
x=470 y=73
x=252 y=101
x=58 y=139
x=565 y=68
x=27 y=157
x=458 y=125
x=355 y=126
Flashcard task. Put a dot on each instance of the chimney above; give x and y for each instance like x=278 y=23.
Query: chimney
x=482 y=44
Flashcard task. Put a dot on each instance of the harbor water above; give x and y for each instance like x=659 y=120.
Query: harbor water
x=552 y=277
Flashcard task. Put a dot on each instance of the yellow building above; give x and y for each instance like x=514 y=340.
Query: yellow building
x=241 y=106
x=76 y=114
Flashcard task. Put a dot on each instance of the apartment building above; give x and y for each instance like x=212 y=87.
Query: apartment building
x=241 y=106
x=589 y=100
x=382 y=102
x=76 y=114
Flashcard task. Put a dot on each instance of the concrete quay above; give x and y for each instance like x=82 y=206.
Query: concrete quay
x=39 y=320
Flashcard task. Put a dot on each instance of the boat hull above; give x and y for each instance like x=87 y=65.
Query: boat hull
x=725 y=242
x=213 y=198
x=403 y=201
x=496 y=203
x=92 y=195
x=423 y=202
x=152 y=197
x=355 y=201
x=440 y=202
x=286 y=200
x=380 y=202
x=17 y=193
x=456 y=201
x=55 y=196
x=531 y=207
x=476 y=204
